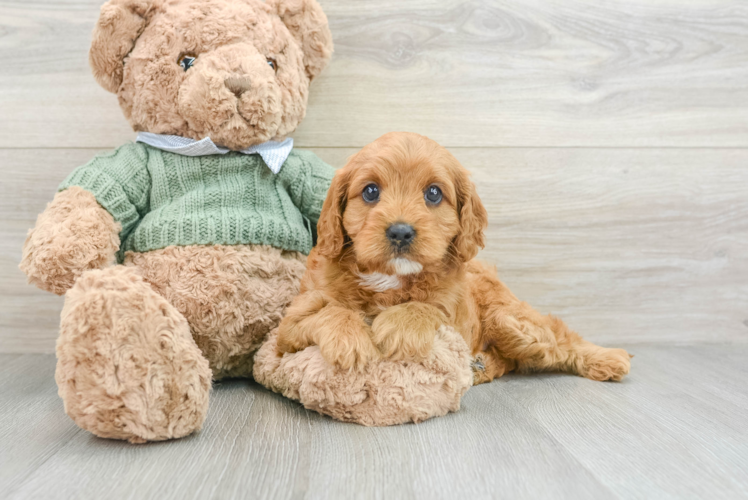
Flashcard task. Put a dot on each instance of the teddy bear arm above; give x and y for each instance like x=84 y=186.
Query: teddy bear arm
x=308 y=191
x=72 y=235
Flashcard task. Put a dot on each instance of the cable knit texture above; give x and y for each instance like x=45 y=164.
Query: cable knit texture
x=163 y=199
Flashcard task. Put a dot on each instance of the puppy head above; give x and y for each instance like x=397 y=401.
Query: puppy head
x=401 y=205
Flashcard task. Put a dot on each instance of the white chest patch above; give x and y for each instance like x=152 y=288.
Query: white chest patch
x=379 y=282
x=405 y=266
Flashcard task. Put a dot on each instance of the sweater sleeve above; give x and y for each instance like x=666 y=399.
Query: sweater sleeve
x=311 y=189
x=120 y=181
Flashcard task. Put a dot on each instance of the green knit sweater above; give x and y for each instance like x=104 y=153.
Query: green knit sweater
x=164 y=199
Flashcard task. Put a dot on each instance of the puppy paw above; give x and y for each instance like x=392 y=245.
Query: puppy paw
x=407 y=331
x=607 y=364
x=348 y=349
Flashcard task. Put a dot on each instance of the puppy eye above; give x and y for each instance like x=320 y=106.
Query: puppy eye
x=273 y=64
x=433 y=195
x=371 y=193
x=186 y=61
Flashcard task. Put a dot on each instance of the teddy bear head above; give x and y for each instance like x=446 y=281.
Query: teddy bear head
x=237 y=71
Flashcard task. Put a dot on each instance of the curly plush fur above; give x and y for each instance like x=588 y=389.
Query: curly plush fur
x=231 y=296
x=384 y=393
x=140 y=342
x=72 y=235
x=128 y=367
x=137 y=46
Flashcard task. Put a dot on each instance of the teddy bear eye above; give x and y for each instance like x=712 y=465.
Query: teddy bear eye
x=273 y=64
x=186 y=61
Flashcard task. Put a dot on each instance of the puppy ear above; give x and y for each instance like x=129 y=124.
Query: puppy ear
x=120 y=23
x=473 y=218
x=330 y=232
x=308 y=24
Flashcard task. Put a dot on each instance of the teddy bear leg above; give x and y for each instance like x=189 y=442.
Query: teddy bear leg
x=127 y=366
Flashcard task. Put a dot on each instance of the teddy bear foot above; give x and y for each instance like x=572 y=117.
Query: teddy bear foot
x=387 y=392
x=127 y=366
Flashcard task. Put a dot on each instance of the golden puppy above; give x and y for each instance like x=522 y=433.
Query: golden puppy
x=396 y=238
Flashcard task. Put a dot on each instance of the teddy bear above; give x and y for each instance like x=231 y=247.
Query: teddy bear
x=178 y=253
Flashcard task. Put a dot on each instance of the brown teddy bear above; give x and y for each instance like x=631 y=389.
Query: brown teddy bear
x=209 y=214
x=179 y=253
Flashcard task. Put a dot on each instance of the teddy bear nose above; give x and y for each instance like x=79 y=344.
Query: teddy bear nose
x=237 y=84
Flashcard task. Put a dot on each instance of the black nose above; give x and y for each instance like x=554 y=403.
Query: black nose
x=401 y=235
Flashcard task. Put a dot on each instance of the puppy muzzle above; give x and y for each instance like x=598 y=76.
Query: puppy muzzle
x=401 y=236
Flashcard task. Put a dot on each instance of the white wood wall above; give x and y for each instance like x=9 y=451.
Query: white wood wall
x=608 y=139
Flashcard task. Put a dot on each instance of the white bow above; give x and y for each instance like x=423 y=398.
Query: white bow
x=273 y=153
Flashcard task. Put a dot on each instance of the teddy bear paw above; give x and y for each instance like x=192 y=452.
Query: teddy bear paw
x=128 y=367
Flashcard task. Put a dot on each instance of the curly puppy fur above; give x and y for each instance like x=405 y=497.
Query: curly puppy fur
x=365 y=295
x=231 y=296
x=128 y=367
x=253 y=62
x=384 y=393
x=74 y=234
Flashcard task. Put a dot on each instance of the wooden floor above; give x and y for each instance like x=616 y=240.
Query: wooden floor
x=675 y=429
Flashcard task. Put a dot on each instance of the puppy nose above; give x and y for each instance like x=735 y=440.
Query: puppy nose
x=237 y=84
x=401 y=235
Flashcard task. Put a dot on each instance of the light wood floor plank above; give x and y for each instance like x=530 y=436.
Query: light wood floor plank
x=627 y=245
x=479 y=73
x=33 y=426
x=667 y=431
x=490 y=443
x=252 y=444
x=640 y=436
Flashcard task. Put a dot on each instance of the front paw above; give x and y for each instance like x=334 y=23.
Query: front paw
x=350 y=348
x=72 y=235
x=407 y=331
x=607 y=364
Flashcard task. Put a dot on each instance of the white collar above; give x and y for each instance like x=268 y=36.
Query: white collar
x=273 y=153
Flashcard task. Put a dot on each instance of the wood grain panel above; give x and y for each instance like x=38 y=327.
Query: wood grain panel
x=467 y=73
x=667 y=431
x=626 y=245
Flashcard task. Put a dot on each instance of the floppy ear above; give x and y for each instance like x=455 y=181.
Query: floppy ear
x=308 y=24
x=330 y=232
x=473 y=217
x=120 y=23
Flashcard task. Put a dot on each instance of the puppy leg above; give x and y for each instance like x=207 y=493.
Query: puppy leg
x=407 y=331
x=513 y=330
x=341 y=334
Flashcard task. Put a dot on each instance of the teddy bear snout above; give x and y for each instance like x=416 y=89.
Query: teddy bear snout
x=238 y=84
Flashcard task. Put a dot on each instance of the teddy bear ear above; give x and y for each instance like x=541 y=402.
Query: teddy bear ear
x=120 y=23
x=308 y=24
